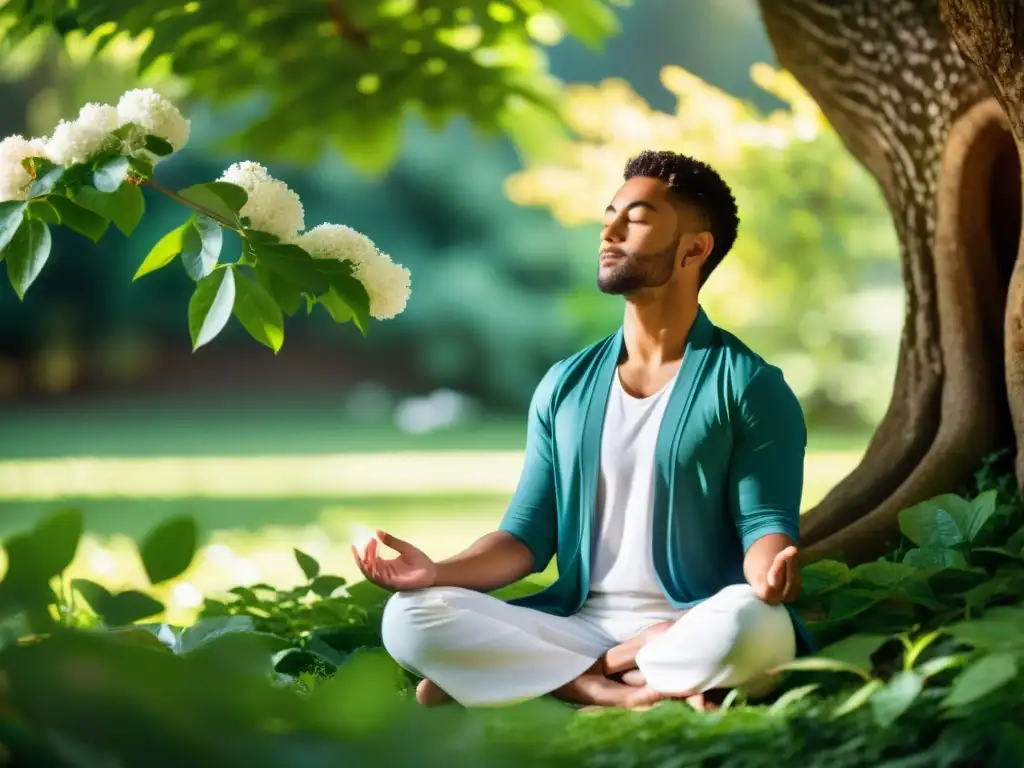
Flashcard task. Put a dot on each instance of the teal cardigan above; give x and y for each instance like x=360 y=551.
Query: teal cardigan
x=729 y=464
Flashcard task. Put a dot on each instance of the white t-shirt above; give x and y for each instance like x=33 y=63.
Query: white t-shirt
x=622 y=576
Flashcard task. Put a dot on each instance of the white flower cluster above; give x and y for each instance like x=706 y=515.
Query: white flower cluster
x=80 y=140
x=272 y=206
x=386 y=283
x=14 y=178
x=275 y=208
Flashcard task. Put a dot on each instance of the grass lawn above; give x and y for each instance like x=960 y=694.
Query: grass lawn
x=298 y=477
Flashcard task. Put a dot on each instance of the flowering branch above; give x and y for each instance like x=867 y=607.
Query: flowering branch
x=88 y=174
x=188 y=203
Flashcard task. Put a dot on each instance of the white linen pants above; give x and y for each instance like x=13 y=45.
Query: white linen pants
x=484 y=652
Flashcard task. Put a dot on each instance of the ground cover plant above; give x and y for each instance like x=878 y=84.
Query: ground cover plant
x=920 y=665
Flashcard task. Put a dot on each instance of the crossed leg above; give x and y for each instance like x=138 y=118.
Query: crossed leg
x=480 y=651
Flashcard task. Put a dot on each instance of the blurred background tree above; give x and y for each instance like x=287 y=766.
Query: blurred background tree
x=811 y=283
x=499 y=290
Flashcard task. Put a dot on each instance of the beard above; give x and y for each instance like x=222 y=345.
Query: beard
x=638 y=271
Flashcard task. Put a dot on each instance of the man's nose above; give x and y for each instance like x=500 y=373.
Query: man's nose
x=612 y=235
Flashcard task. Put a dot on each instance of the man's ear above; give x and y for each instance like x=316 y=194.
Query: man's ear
x=699 y=250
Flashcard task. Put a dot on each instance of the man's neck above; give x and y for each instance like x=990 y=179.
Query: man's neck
x=655 y=331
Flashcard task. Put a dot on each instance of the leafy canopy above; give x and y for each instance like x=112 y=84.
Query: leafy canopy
x=345 y=70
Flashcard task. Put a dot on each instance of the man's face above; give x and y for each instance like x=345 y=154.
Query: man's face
x=640 y=241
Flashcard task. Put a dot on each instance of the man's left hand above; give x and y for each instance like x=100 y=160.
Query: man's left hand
x=782 y=582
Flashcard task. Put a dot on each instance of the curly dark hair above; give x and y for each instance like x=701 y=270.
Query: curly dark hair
x=698 y=184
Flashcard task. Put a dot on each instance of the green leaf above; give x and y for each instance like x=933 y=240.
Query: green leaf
x=824 y=576
x=858 y=698
x=210 y=307
x=979 y=597
x=257 y=236
x=790 y=696
x=855 y=650
x=126 y=131
x=46 y=177
x=888 y=703
x=55 y=539
x=820 y=664
x=323 y=651
x=325 y=586
x=221 y=199
x=947 y=520
x=25 y=585
x=128 y=607
x=985 y=675
x=200 y=247
x=94 y=594
x=124 y=207
x=988 y=633
x=914 y=651
x=248 y=597
x=982 y=508
x=883 y=573
x=81 y=220
x=41 y=209
x=335 y=306
x=1015 y=542
x=928 y=558
x=207 y=630
x=291 y=264
x=348 y=288
x=11 y=214
x=110 y=174
x=159 y=147
x=1000 y=551
x=26 y=254
x=939 y=664
x=258 y=312
x=286 y=295
x=847 y=603
x=141 y=167
x=309 y=566
x=163 y=253
x=592 y=23
x=168 y=549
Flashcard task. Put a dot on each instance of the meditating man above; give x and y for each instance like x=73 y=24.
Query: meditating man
x=663 y=471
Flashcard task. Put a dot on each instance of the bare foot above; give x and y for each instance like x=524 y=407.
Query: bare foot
x=634 y=677
x=429 y=695
x=598 y=690
x=642 y=698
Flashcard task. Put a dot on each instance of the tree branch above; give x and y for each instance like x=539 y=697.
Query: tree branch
x=345 y=29
x=197 y=208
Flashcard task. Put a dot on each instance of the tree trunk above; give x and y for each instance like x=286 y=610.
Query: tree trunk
x=990 y=33
x=897 y=91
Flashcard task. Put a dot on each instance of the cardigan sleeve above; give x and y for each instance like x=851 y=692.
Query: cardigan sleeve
x=532 y=515
x=767 y=469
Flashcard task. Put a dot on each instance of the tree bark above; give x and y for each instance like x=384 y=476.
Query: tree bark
x=894 y=86
x=990 y=33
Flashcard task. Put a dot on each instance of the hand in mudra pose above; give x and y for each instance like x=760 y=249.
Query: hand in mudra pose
x=412 y=569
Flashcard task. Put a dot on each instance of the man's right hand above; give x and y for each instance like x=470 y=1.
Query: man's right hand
x=412 y=569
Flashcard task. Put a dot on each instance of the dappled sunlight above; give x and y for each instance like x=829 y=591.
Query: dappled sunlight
x=427 y=499
x=298 y=476
x=262 y=476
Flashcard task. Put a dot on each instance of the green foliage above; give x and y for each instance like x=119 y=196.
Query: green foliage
x=168 y=549
x=297 y=676
x=86 y=197
x=353 y=70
